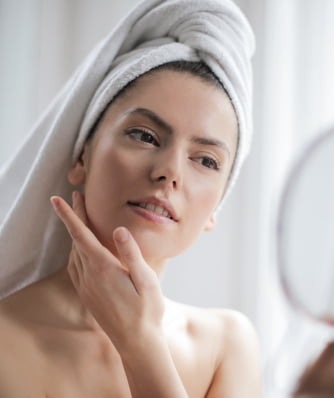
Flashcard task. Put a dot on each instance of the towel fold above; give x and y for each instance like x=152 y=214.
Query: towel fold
x=33 y=242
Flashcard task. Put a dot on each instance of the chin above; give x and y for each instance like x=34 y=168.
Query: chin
x=154 y=247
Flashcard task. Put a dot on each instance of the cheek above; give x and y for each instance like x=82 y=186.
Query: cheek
x=109 y=170
x=107 y=179
x=202 y=204
x=206 y=196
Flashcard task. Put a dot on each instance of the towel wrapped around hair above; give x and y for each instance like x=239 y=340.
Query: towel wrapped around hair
x=33 y=242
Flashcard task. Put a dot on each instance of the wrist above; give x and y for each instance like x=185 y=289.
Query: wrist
x=141 y=342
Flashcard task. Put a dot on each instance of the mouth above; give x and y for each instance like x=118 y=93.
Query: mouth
x=158 y=208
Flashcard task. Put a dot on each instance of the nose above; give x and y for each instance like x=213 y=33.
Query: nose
x=167 y=169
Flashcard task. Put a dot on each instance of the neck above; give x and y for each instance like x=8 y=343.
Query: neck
x=71 y=305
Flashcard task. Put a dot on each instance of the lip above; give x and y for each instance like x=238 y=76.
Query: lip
x=157 y=202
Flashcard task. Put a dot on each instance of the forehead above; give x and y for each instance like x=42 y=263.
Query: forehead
x=176 y=87
x=185 y=101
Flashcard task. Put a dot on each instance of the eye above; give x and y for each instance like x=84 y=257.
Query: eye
x=143 y=136
x=208 y=162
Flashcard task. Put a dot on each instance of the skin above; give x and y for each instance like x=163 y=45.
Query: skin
x=317 y=380
x=103 y=327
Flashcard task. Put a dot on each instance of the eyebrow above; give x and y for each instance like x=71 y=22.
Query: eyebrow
x=153 y=116
x=212 y=142
x=169 y=129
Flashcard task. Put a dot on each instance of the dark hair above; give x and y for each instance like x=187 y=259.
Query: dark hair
x=196 y=68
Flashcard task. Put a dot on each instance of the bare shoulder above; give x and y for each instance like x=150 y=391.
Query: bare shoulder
x=9 y=313
x=239 y=371
x=14 y=319
x=17 y=307
x=14 y=343
x=234 y=343
x=231 y=326
x=19 y=315
x=237 y=330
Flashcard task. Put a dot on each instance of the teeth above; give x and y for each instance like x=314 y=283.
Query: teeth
x=159 y=210
x=165 y=213
x=150 y=206
x=155 y=209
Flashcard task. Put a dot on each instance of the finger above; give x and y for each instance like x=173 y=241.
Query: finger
x=79 y=261
x=72 y=271
x=80 y=233
x=79 y=206
x=130 y=254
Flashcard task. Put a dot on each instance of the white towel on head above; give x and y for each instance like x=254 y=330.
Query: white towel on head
x=33 y=242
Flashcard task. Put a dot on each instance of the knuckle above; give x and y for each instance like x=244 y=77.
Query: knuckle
x=100 y=265
x=147 y=279
x=130 y=254
x=76 y=235
x=130 y=257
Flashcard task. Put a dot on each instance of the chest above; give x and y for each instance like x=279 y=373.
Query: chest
x=75 y=365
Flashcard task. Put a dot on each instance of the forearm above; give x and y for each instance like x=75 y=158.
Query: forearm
x=150 y=369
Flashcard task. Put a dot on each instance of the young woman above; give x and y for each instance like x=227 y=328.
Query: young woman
x=157 y=157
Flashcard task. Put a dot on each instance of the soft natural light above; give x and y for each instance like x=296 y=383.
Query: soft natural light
x=43 y=42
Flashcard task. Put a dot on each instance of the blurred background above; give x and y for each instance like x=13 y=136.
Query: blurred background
x=43 y=41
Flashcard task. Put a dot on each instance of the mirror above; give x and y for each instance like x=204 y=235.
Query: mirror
x=305 y=258
x=305 y=231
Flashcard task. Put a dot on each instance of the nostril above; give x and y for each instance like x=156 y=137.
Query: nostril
x=165 y=179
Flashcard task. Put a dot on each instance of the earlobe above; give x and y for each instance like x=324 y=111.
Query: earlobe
x=77 y=173
x=211 y=223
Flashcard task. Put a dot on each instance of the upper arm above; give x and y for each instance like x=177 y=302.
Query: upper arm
x=238 y=372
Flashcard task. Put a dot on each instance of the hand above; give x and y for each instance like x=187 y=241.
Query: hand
x=122 y=293
x=318 y=379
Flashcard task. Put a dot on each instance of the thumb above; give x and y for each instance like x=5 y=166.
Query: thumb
x=141 y=274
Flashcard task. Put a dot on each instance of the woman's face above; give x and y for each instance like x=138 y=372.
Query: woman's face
x=159 y=162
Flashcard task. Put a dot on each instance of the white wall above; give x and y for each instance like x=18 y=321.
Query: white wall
x=42 y=42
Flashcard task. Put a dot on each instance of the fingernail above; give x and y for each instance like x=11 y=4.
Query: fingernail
x=122 y=235
x=54 y=201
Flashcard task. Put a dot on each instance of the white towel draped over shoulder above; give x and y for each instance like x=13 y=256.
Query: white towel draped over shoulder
x=33 y=242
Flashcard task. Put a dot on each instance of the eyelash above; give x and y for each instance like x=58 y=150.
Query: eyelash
x=135 y=132
x=214 y=164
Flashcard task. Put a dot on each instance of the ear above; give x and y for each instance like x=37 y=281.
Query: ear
x=77 y=173
x=211 y=223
